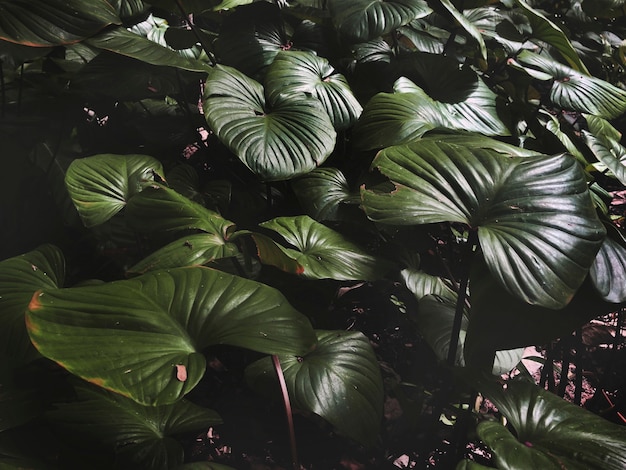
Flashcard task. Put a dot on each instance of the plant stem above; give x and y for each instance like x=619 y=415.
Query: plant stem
x=196 y=33
x=287 y=403
x=472 y=244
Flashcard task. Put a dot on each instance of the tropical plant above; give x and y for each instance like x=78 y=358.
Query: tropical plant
x=178 y=172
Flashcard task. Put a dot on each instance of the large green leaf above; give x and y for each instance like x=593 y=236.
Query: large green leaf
x=578 y=91
x=277 y=140
x=409 y=112
x=322 y=192
x=340 y=381
x=141 y=436
x=158 y=208
x=610 y=153
x=101 y=185
x=324 y=253
x=143 y=337
x=41 y=23
x=362 y=20
x=193 y=250
x=550 y=433
x=608 y=271
x=536 y=223
x=20 y=277
x=121 y=41
x=547 y=31
x=305 y=72
x=467 y=26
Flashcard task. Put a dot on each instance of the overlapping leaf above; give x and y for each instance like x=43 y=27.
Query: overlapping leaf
x=324 y=253
x=322 y=191
x=278 y=140
x=141 y=436
x=537 y=226
x=339 y=381
x=609 y=152
x=142 y=337
x=362 y=20
x=467 y=26
x=20 y=277
x=41 y=23
x=101 y=185
x=608 y=271
x=304 y=72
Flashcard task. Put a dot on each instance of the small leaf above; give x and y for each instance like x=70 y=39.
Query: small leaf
x=339 y=381
x=101 y=185
x=324 y=253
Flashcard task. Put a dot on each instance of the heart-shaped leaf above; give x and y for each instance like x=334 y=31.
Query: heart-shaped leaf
x=322 y=192
x=278 y=140
x=193 y=250
x=577 y=91
x=608 y=271
x=340 y=381
x=101 y=185
x=362 y=20
x=41 y=23
x=141 y=436
x=324 y=253
x=135 y=337
x=550 y=432
x=536 y=223
x=409 y=112
x=610 y=152
x=20 y=278
x=305 y=72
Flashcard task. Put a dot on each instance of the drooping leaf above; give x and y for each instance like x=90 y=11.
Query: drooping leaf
x=553 y=125
x=362 y=20
x=578 y=91
x=272 y=254
x=322 y=192
x=277 y=140
x=467 y=26
x=101 y=185
x=324 y=253
x=422 y=284
x=41 y=23
x=340 y=381
x=193 y=250
x=141 y=436
x=610 y=152
x=133 y=336
x=550 y=432
x=121 y=41
x=601 y=127
x=20 y=278
x=159 y=208
x=537 y=226
x=547 y=31
x=305 y=72
x=608 y=271
x=409 y=112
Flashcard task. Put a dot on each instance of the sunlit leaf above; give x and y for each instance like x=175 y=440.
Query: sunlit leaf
x=610 y=152
x=340 y=381
x=467 y=26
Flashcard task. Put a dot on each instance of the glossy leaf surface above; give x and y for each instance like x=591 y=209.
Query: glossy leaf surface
x=467 y=26
x=322 y=192
x=608 y=271
x=339 y=381
x=536 y=224
x=134 y=337
x=277 y=140
x=610 y=152
x=101 y=185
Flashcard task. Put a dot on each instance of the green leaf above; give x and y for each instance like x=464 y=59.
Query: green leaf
x=362 y=20
x=143 y=337
x=536 y=223
x=409 y=112
x=40 y=23
x=467 y=26
x=121 y=41
x=553 y=125
x=422 y=284
x=550 y=432
x=578 y=91
x=101 y=185
x=272 y=254
x=547 y=31
x=608 y=271
x=324 y=253
x=278 y=140
x=20 y=277
x=304 y=72
x=158 y=208
x=193 y=250
x=610 y=152
x=322 y=192
x=339 y=381
x=601 y=127
x=141 y=436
